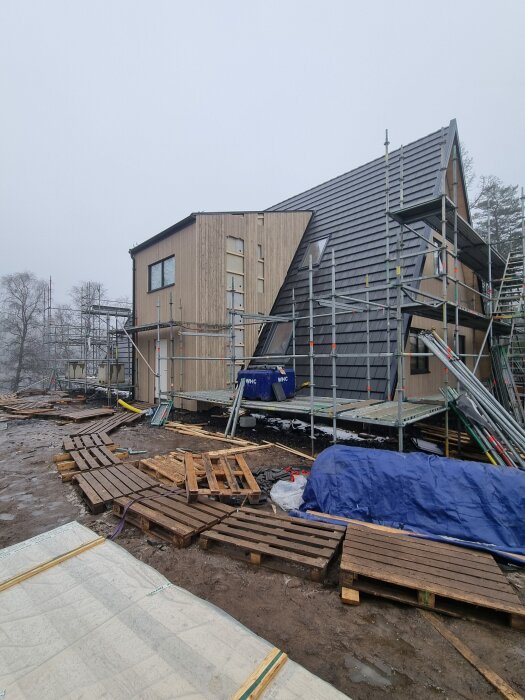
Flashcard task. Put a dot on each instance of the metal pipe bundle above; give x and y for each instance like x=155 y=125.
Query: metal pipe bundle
x=506 y=436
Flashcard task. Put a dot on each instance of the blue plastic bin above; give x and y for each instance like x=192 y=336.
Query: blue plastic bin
x=258 y=385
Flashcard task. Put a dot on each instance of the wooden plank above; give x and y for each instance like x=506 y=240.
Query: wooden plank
x=455 y=562
x=192 y=488
x=91 y=461
x=315 y=562
x=496 y=681
x=254 y=686
x=232 y=481
x=212 y=480
x=426 y=583
x=79 y=461
x=247 y=473
x=247 y=525
x=109 y=455
x=292 y=451
x=280 y=543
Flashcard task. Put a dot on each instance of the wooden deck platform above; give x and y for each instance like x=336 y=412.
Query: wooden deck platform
x=441 y=577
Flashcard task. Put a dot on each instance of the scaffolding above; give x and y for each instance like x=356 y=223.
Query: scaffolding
x=398 y=296
x=83 y=347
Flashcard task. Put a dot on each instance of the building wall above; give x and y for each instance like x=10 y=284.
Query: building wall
x=199 y=295
x=417 y=385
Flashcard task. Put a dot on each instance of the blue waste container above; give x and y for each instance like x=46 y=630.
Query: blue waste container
x=258 y=384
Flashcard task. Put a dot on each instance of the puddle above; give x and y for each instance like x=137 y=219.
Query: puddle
x=360 y=672
x=6 y=516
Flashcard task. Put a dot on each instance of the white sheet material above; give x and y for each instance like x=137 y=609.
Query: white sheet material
x=104 y=625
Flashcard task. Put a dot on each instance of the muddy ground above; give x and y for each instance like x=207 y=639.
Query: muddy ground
x=375 y=650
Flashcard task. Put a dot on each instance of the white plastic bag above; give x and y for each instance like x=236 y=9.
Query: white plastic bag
x=288 y=494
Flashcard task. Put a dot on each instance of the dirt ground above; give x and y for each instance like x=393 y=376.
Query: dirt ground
x=374 y=650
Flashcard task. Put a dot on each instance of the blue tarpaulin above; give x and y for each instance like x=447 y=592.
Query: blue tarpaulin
x=435 y=496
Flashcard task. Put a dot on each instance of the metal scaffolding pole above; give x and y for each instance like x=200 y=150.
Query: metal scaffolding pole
x=444 y=274
x=311 y=351
x=158 y=351
x=334 y=356
x=387 y=258
x=399 y=314
x=293 y=330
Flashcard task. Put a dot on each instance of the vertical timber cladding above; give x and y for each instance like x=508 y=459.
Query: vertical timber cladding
x=200 y=288
x=182 y=244
x=429 y=383
x=276 y=236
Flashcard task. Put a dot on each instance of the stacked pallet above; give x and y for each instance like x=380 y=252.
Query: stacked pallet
x=224 y=477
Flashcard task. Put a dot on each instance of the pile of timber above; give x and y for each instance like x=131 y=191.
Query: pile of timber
x=199 y=432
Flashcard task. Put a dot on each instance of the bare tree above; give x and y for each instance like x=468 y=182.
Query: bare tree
x=22 y=298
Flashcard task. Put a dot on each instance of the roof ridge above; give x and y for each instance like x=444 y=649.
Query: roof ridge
x=363 y=165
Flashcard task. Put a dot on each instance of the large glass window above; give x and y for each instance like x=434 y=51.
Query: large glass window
x=280 y=339
x=418 y=364
x=162 y=274
x=315 y=250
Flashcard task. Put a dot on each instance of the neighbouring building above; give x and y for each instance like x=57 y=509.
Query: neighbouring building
x=187 y=279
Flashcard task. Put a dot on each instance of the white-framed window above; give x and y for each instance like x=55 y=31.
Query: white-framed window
x=161 y=274
x=438 y=257
x=315 y=250
x=260 y=269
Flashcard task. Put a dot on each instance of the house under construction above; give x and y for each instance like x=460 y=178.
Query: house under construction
x=337 y=282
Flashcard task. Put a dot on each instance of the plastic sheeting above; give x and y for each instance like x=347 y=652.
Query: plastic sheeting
x=430 y=495
x=103 y=624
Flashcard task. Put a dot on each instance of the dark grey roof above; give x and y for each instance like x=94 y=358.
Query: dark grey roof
x=350 y=210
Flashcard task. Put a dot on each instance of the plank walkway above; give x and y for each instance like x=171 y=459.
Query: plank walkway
x=225 y=477
x=433 y=575
x=107 y=425
x=168 y=516
x=278 y=542
x=101 y=486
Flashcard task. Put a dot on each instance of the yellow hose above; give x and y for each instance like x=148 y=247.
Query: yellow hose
x=129 y=407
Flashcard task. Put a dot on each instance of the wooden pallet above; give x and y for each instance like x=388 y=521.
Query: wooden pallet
x=82 y=441
x=278 y=542
x=225 y=476
x=442 y=577
x=168 y=516
x=168 y=469
x=107 y=425
x=86 y=459
x=101 y=486
x=81 y=414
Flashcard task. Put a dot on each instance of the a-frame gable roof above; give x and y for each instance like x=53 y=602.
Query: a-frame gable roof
x=350 y=211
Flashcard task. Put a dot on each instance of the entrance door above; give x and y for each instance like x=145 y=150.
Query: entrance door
x=161 y=350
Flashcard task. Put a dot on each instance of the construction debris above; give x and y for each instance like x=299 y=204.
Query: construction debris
x=503 y=437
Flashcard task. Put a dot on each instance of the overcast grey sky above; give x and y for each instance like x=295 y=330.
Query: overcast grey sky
x=120 y=117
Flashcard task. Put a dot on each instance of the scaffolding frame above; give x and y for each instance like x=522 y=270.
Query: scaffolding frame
x=89 y=340
x=404 y=298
